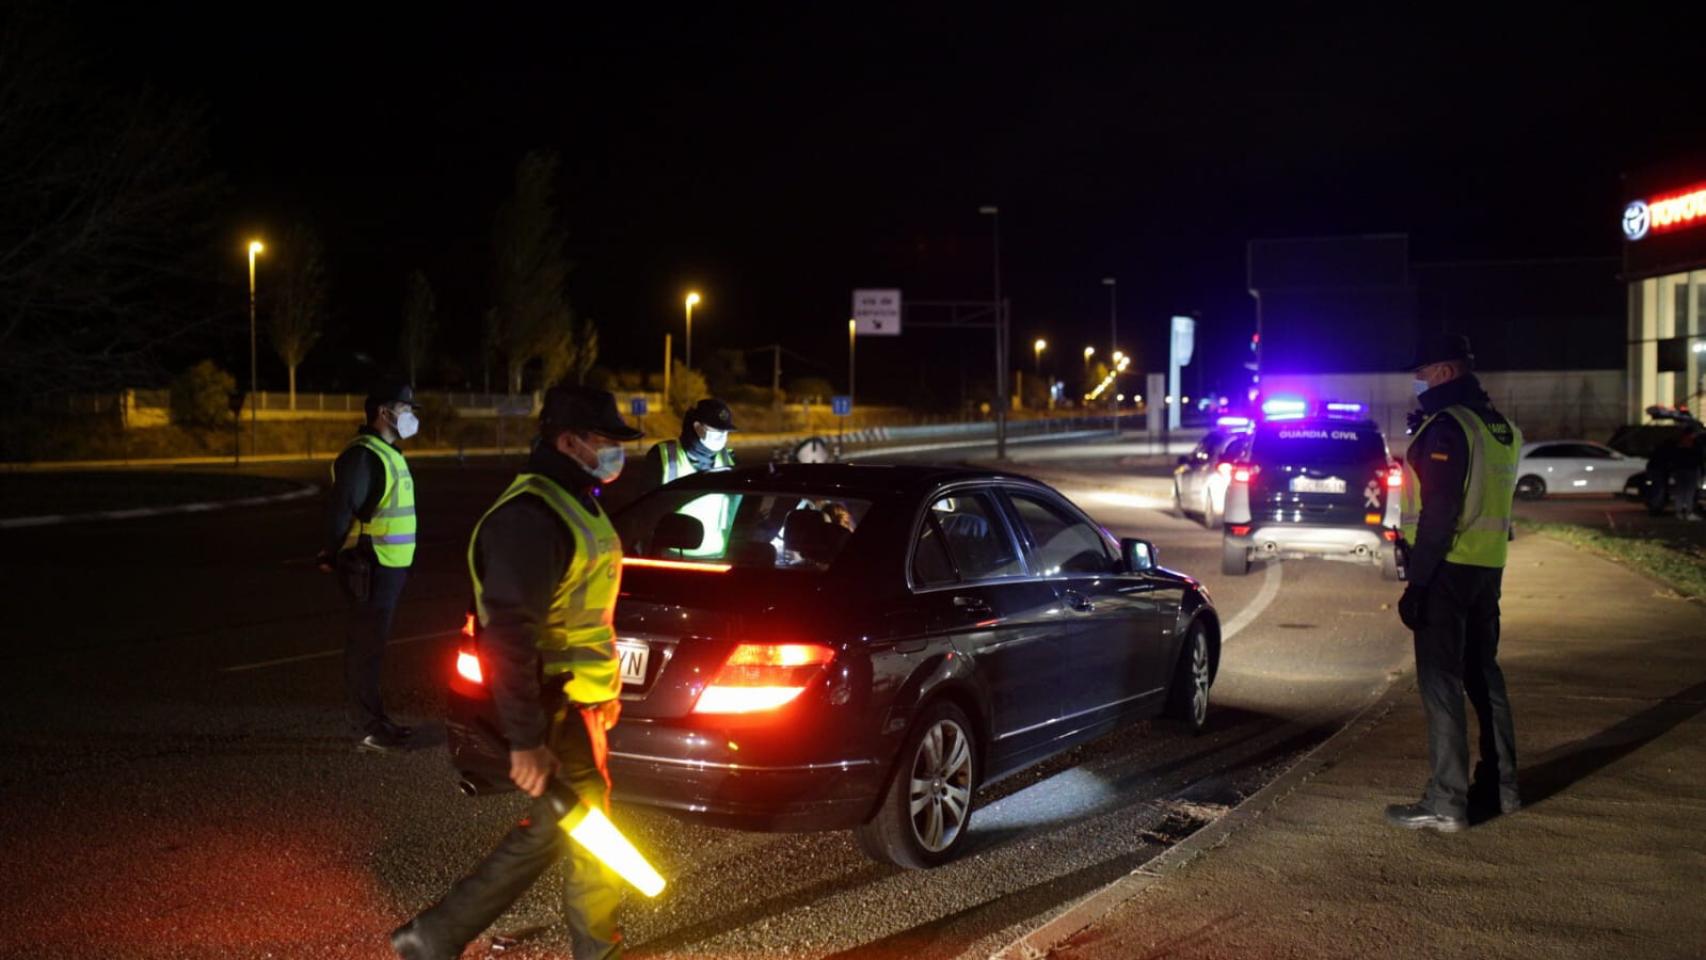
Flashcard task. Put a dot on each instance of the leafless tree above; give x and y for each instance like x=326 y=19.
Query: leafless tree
x=420 y=323
x=297 y=314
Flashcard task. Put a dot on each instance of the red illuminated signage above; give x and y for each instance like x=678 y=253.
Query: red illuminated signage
x=1666 y=213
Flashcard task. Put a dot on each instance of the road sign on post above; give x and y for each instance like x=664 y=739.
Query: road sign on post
x=637 y=406
x=876 y=313
x=841 y=406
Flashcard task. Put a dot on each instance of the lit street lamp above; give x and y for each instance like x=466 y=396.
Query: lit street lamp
x=1038 y=349
x=852 y=329
x=692 y=300
x=255 y=248
x=994 y=213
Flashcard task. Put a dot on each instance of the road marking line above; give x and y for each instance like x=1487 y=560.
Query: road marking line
x=322 y=654
x=1248 y=615
x=133 y=513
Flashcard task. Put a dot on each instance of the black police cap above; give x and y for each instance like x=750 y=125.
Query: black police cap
x=713 y=413
x=1441 y=347
x=572 y=407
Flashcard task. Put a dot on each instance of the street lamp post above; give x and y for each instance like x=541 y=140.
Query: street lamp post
x=1113 y=313
x=852 y=330
x=692 y=300
x=1001 y=404
x=1038 y=349
x=255 y=248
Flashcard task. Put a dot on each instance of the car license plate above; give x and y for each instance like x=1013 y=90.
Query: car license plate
x=633 y=654
x=1312 y=485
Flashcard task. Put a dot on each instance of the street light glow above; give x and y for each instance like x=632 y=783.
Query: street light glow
x=1040 y=345
x=255 y=246
x=989 y=211
x=1089 y=352
x=692 y=299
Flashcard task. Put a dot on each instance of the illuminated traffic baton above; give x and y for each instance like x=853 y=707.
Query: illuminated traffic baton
x=589 y=827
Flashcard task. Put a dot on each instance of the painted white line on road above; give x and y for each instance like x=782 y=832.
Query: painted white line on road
x=323 y=654
x=1248 y=615
x=18 y=523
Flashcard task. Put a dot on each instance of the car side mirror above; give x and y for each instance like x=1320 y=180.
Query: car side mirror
x=1139 y=555
x=677 y=531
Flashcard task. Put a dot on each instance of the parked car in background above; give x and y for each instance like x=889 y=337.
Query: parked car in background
x=1573 y=466
x=1201 y=477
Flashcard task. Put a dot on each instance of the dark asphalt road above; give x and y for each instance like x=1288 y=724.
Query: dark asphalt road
x=178 y=781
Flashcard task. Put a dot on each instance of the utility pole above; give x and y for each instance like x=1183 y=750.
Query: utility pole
x=1001 y=403
x=667 y=363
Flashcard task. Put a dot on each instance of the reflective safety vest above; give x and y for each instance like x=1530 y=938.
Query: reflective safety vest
x=578 y=638
x=1483 y=531
x=676 y=465
x=392 y=527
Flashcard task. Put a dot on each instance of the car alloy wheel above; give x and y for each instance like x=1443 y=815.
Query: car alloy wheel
x=939 y=794
x=922 y=819
x=1199 y=678
x=1187 y=698
x=1530 y=488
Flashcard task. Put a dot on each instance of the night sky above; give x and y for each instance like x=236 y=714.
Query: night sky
x=776 y=158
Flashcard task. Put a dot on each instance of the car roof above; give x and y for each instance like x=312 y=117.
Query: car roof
x=1360 y=423
x=864 y=480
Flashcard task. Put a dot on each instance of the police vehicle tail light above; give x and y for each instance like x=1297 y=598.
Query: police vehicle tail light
x=468 y=667
x=763 y=676
x=1394 y=478
x=1239 y=530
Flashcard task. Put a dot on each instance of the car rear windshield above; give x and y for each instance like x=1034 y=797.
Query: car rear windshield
x=1307 y=442
x=746 y=528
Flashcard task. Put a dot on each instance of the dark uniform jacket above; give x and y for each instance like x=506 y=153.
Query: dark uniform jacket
x=522 y=551
x=1440 y=457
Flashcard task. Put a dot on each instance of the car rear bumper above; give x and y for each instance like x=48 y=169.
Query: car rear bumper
x=1285 y=540
x=689 y=772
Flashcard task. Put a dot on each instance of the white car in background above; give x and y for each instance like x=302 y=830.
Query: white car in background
x=1572 y=466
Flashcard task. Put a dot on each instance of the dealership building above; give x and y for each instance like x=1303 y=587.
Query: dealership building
x=1664 y=266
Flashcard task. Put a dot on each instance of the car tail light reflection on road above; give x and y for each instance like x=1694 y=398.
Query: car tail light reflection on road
x=468 y=667
x=763 y=676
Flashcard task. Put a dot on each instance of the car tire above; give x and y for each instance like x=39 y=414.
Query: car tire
x=1389 y=569
x=1530 y=487
x=937 y=767
x=1187 y=696
x=1234 y=557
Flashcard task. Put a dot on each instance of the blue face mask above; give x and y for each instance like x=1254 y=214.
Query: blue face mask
x=1421 y=386
x=610 y=461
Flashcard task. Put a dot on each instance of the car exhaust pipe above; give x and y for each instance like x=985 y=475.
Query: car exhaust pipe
x=470 y=787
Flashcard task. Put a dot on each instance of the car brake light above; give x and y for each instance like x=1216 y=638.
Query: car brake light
x=693 y=565
x=1244 y=472
x=1239 y=530
x=468 y=667
x=468 y=626
x=1390 y=535
x=1224 y=469
x=763 y=676
x=1394 y=478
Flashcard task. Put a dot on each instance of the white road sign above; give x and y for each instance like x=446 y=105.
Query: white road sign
x=876 y=313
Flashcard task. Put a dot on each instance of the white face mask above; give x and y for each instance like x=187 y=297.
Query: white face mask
x=1420 y=385
x=715 y=440
x=408 y=424
x=608 y=461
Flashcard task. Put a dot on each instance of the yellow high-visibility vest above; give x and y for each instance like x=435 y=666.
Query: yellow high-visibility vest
x=392 y=528
x=578 y=638
x=1483 y=532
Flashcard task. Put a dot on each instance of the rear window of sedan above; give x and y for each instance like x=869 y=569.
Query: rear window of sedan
x=745 y=528
x=1307 y=442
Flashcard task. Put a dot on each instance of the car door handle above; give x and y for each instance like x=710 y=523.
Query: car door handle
x=973 y=607
x=1080 y=602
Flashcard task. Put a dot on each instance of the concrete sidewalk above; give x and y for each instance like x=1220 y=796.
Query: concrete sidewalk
x=1607 y=672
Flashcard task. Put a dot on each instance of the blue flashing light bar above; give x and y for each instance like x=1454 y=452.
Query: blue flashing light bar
x=1234 y=423
x=1339 y=407
x=1284 y=408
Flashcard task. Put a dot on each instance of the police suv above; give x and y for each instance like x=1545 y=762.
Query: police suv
x=1317 y=482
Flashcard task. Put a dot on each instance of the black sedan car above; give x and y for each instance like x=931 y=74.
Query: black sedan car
x=833 y=646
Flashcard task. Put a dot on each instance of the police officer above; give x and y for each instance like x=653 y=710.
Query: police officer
x=370 y=542
x=546 y=566
x=703 y=445
x=1459 y=480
